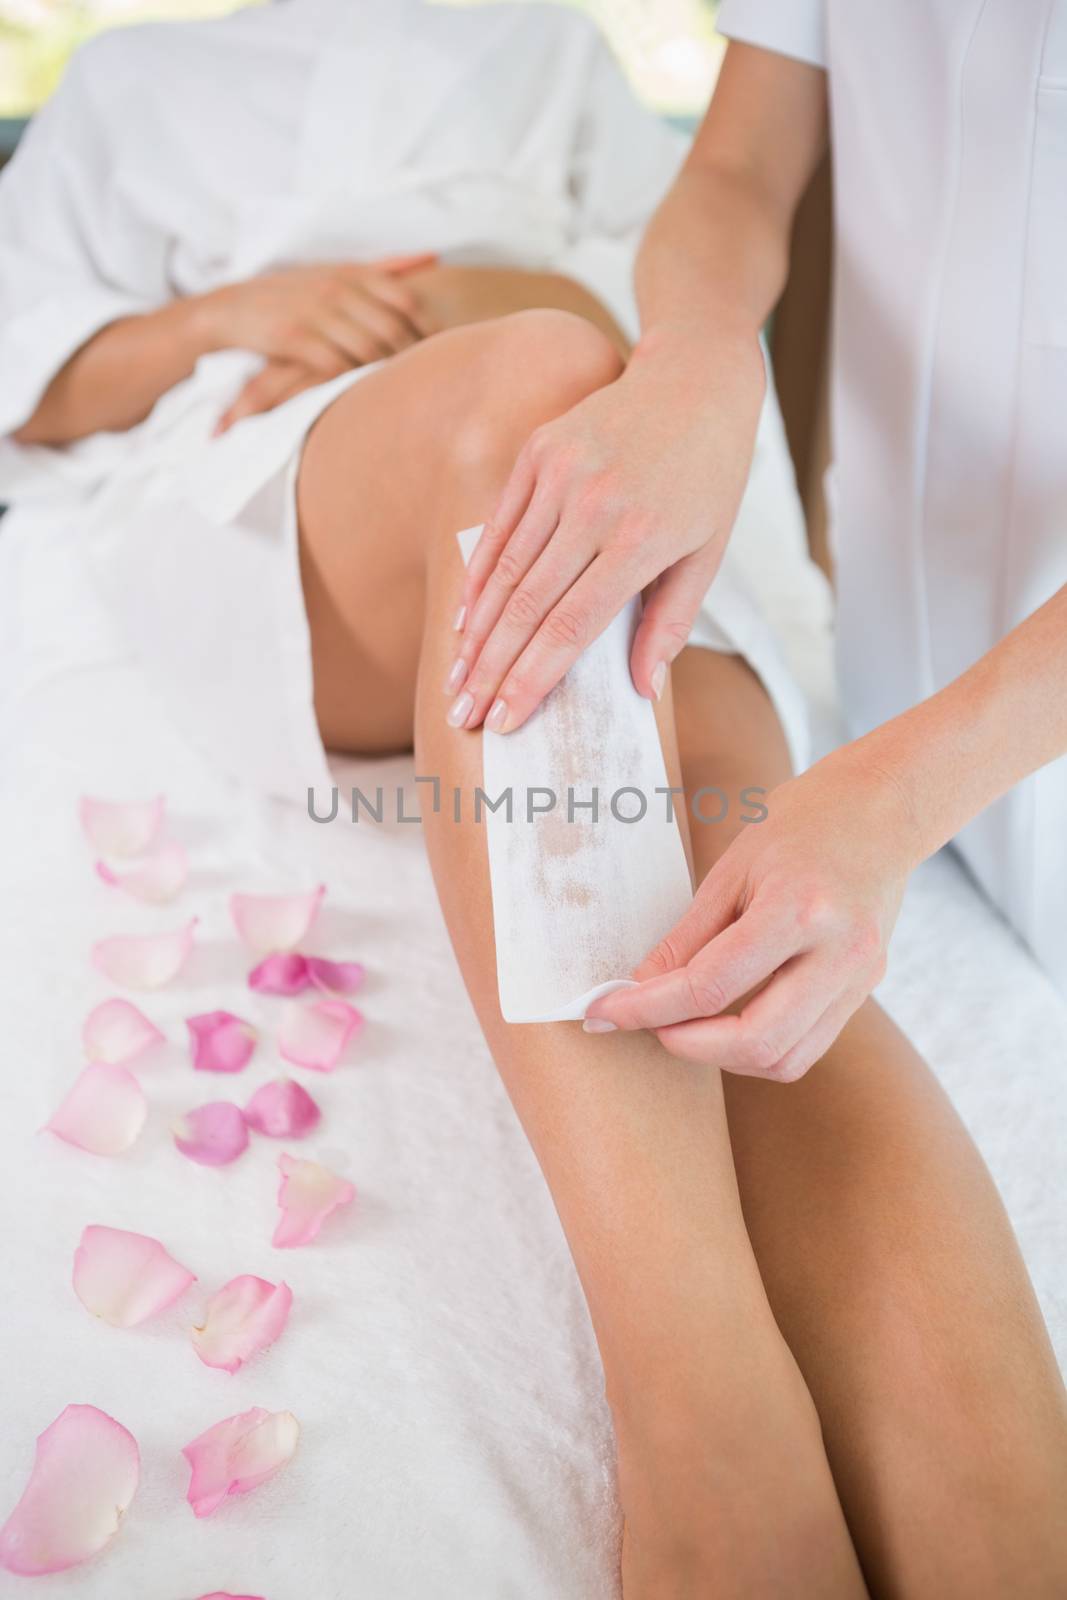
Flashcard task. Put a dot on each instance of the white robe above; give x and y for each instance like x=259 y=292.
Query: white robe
x=949 y=488
x=177 y=157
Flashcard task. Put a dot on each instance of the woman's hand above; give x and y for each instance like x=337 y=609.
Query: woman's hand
x=314 y=322
x=638 y=484
x=799 y=908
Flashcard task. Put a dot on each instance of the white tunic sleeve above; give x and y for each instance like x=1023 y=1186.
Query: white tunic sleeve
x=790 y=27
x=74 y=255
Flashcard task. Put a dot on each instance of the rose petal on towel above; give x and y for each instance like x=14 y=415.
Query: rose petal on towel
x=315 y=1035
x=245 y=1316
x=121 y=828
x=220 y=1042
x=125 y=1278
x=115 y=1032
x=144 y=961
x=335 y=977
x=285 y=972
x=282 y=1110
x=308 y=1194
x=85 y=1473
x=103 y=1111
x=213 y=1135
x=158 y=877
x=238 y=1454
x=269 y=922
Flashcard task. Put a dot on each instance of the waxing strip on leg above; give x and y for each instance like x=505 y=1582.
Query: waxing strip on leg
x=586 y=863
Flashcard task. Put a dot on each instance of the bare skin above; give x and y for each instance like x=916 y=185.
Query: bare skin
x=879 y=1239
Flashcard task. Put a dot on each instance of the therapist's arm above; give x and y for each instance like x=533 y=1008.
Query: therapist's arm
x=643 y=479
x=808 y=897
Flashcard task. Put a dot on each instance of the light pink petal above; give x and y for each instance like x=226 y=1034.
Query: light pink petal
x=220 y=1042
x=104 y=1111
x=285 y=972
x=85 y=1474
x=158 y=877
x=213 y=1135
x=315 y=1035
x=125 y=1278
x=308 y=1194
x=238 y=1455
x=115 y=1032
x=269 y=922
x=244 y=1317
x=118 y=828
x=335 y=977
x=145 y=961
x=282 y=1110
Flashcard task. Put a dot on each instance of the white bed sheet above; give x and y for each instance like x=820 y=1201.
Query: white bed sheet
x=439 y=1358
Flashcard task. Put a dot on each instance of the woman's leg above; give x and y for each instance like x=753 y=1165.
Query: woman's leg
x=723 y=1476
x=890 y=1266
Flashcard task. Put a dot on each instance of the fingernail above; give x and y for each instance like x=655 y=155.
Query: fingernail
x=598 y=1025
x=460 y=710
x=497 y=716
x=459 y=619
x=659 y=678
x=456 y=674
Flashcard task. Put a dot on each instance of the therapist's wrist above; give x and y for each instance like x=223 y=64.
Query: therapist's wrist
x=696 y=359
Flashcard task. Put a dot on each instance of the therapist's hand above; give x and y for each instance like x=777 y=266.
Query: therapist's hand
x=639 y=482
x=803 y=904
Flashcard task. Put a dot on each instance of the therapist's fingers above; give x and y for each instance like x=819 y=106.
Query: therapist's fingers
x=494 y=536
x=578 y=617
x=750 y=1050
x=667 y=620
x=735 y=962
x=521 y=587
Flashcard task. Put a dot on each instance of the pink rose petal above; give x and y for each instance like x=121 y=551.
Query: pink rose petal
x=158 y=877
x=335 y=977
x=213 y=1135
x=84 y=1475
x=308 y=1194
x=125 y=1278
x=115 y=1032
x=245 y=1316
x=285 y=972
x=145 y=961
x=282 y=1110
x=269 y=922
x=220 y=1042
x=315 y=1035
x=118 y=828
x=237 y=1455
x=104 y=1111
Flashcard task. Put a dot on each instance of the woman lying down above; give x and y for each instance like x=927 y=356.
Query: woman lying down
x=231 y=348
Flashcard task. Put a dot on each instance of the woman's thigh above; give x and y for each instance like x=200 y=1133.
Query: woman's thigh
x=887 y=1257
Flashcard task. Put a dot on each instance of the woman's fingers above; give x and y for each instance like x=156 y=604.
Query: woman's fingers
x=275 y=383
x=394 y=292
x=578 y=617
x=667 y=620
x=390 y=327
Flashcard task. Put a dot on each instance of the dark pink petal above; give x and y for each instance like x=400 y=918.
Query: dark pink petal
x=158 y=877
x=220 y=1042
x=308 y=1194
x=145 y=961
x=285 y=972
x=104 y=1111
x=245 y=1316
x=116 y=828
x=125 y=1278
x=315 y=1035
x=237 y=1455
x=282 y=1110
x=213 y=1135
x=335 y=977
x=115 y=1033
x=84 y=1475
x=269 y=922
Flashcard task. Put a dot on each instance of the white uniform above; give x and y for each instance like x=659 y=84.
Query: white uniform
x=949 y=487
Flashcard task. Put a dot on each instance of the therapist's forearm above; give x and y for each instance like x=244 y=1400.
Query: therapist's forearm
x=955 y=753
x=115 y=379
